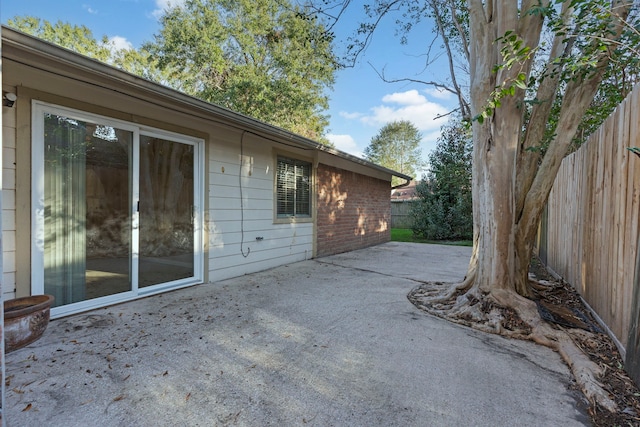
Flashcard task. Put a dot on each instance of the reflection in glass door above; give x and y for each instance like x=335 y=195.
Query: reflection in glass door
x=166 y=242
x=87 y=196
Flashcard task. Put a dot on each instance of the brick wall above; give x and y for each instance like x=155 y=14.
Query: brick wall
x=354 y=211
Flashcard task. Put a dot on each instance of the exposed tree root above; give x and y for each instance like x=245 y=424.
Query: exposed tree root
x=509 y=314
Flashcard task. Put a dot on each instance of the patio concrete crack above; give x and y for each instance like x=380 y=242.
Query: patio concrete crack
x=366 y=270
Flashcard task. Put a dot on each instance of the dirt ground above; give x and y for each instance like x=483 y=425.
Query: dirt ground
x=601 y=349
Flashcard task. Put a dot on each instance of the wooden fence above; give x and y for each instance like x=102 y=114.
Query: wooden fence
x=400 y=214
x=590 y=233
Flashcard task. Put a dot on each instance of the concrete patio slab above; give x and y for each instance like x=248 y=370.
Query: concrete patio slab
x=326 y=342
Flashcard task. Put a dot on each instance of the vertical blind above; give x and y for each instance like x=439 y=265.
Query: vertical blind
x=65 y=234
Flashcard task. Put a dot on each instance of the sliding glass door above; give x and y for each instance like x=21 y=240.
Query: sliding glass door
x=166 y=211
x=117 y=209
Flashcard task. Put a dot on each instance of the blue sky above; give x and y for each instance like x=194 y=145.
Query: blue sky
x=361 y=103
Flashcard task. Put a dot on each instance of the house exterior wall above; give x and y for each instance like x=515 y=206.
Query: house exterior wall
x=354 y=210
x=228 y=224
x=244 y=235
x=8 y=199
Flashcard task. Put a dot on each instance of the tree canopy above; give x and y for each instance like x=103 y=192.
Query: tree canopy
x=268 y=59
x=396 y=146
x=81 y=39
x=78 y=38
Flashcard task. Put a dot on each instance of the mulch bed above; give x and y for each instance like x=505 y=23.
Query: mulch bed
x=561 y=304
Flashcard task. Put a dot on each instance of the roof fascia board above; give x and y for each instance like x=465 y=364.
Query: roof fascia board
x=39 y=51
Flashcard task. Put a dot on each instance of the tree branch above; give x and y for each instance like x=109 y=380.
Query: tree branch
x=577 y=98
x=460 y=29
x=530 y=24
x=332 y=18
x=529 y=154
x=465 y=110
x=407 y=79
x=440 y=116
x=361 y=46
x=480 y=38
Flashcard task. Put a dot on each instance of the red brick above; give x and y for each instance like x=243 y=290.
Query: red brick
x=354 y=210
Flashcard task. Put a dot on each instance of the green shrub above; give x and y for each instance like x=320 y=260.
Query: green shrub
x=444 y=208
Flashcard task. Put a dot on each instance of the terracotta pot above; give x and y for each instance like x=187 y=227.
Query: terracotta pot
x=25 y=319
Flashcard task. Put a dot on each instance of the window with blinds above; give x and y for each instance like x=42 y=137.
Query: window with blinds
x=293 y=188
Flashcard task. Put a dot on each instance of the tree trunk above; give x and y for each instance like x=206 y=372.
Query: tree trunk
x=510 y=185
x=503 y=253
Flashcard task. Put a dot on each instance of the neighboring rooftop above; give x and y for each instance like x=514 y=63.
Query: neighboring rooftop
x=405 y=193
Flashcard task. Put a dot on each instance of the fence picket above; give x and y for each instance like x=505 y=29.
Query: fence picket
x=593 y=216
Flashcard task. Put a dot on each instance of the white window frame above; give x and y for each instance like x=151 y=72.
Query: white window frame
x=278 y=218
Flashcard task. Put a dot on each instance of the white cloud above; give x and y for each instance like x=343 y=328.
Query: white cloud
x=409 y=105
x=350 y=116
x=118 y=43
x=410 y=97
x=164 y=5
x=431 y=136
x=422 y=108
x=439 y=93
x=89 y=9
x=345 y=143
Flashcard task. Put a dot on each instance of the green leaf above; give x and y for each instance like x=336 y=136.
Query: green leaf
x=634 y=150
x=520 y=84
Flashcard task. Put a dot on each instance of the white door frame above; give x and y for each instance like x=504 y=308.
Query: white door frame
x=37 y=209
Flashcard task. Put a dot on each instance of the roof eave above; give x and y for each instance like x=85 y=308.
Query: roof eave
x=12 y=38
